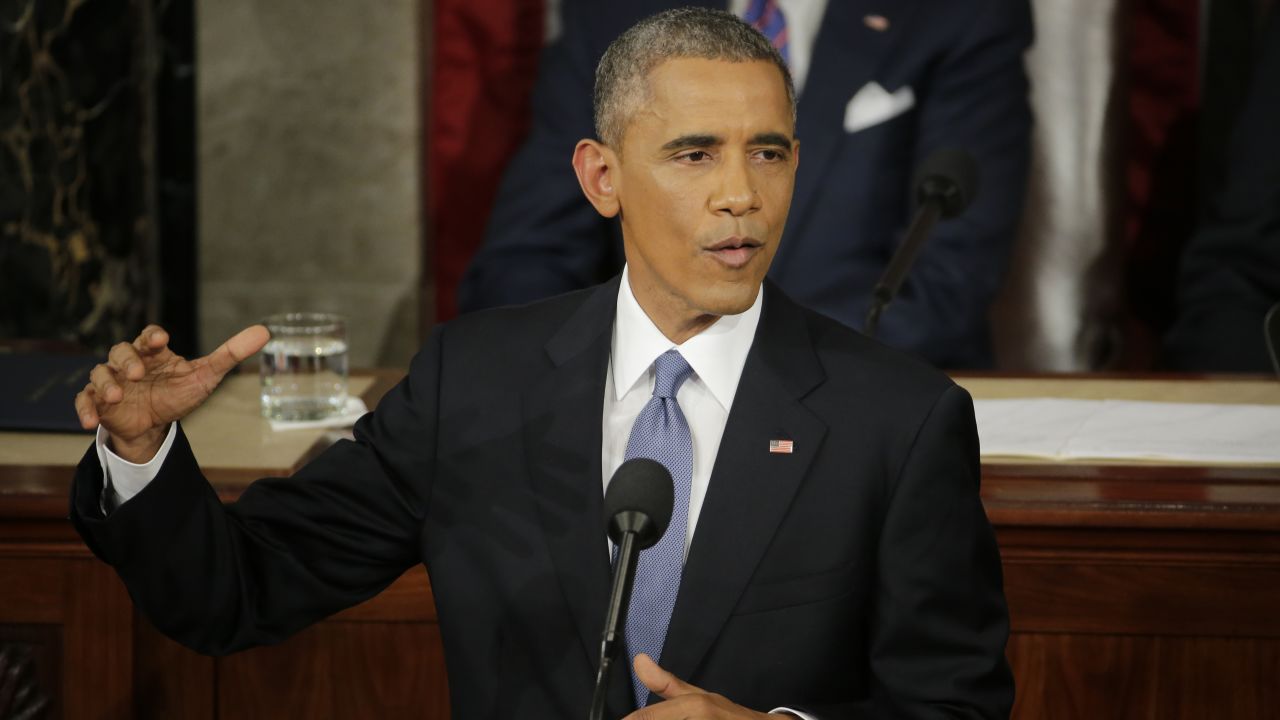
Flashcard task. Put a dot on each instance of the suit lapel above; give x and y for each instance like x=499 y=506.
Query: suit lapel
x=751 y=488
x=846 y=54
x=562 y=436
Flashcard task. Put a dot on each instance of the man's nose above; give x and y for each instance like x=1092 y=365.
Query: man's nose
x=735 y=192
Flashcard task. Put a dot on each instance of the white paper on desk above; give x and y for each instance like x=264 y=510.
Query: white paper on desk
x=1126 y=429
x=1129 y=430
x=1030 y=427
x=350 y=414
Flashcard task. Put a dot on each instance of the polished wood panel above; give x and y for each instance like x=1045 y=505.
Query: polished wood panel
x=83 y=604
x=170 y=681
x=33 y=590
x=1072 y=676
x=289 y=680
x=98 y=680
x=1232 y=595
x=339 y=670
x=1216 y=677
x=380 y=659
x=418 y=688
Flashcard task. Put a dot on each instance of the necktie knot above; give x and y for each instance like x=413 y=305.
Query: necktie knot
x=670 y=371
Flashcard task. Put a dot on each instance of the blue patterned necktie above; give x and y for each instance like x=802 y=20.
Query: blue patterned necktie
x=766 y=16
x=660 y=433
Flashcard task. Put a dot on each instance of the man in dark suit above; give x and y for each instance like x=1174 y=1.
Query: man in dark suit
x=1230 y=273
x=885 y=85
x=835 y=561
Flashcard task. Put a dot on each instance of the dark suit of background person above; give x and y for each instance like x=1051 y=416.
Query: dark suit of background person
x=857 y=575
x=1230 y=273
x=854 y=196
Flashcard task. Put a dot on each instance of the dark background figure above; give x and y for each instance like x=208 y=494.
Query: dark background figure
x=947 y=75
x=1230 y=271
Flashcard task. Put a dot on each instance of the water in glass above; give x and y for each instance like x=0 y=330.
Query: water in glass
x=303 y=372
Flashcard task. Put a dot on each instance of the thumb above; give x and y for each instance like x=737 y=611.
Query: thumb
x=237 y=348
x=659 y=681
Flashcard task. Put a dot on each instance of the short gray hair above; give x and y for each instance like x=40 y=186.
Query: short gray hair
x=691 y=32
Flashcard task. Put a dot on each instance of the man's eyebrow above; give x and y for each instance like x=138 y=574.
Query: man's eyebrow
x=772 y=138
x=706 y=140
x=693 y=141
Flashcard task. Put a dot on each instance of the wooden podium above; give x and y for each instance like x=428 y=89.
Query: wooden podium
x=1139 y=590
x=1136 y=590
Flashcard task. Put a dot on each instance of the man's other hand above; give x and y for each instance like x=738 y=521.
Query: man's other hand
x=144 y=386
x=684 y=701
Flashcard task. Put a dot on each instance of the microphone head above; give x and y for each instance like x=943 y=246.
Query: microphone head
x=639 y=500
x=950 y=177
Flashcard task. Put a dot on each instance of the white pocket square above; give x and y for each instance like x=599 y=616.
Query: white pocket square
x=873 y=105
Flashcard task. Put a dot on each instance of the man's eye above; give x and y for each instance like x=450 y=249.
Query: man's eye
x=696 y=156
x=769 y=155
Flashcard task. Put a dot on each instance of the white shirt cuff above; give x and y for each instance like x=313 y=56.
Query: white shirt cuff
x=797 y=713
x=123 y=479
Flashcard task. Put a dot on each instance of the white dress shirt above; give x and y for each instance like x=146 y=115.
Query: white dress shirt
x=123 y=479
x=804 y=19
x=716 y=355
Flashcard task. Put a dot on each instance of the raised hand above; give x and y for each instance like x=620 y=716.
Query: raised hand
x=683 y=701
x=144 y=386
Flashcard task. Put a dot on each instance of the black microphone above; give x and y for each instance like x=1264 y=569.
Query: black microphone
x=637 y=507
x=946 y=183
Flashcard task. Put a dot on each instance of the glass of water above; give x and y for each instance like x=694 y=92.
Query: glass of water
x=304 y=366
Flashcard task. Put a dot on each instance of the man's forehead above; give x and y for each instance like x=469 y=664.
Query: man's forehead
x=683 y=74
x=700 y=96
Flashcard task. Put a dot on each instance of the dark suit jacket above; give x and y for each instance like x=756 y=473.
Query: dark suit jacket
x=1230 y=273
x=856 y=577
x=854 y=196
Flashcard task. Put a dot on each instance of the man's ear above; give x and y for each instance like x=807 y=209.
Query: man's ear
x=596 y=166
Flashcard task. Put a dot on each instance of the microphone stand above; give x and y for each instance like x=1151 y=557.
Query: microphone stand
x=611 y=641
x=926 y=217
x=638 y=507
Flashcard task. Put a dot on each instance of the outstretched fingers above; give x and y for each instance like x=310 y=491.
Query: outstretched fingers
x=237 y=349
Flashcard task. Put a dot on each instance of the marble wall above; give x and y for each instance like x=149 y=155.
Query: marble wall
x=308 y=158
x=78 y=231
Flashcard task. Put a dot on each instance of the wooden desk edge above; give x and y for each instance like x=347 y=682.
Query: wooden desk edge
x=1014 y=493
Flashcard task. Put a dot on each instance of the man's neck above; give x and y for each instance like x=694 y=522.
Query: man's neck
x=677 y=324
x=679 y=332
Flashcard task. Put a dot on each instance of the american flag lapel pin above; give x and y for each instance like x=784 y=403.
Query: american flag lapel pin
x=879 y=23
x=781 y=447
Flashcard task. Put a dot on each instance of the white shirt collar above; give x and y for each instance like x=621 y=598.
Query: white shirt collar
x=717 y=354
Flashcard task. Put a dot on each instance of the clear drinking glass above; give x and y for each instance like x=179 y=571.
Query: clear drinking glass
x=304 y=366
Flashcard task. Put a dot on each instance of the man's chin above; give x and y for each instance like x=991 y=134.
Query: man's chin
x=734 y=299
